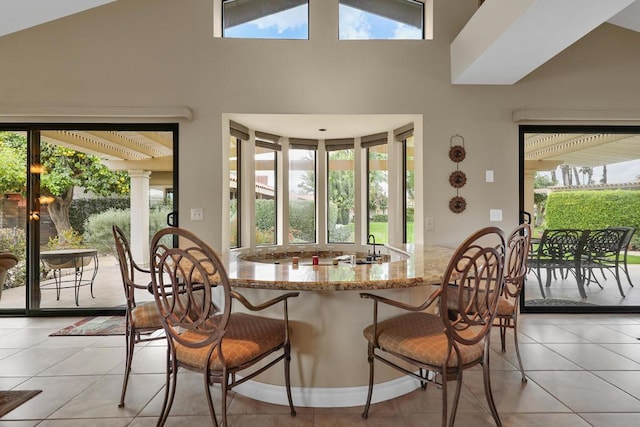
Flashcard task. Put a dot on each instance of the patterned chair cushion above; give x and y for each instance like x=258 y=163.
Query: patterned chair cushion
x=146 y=315
x=505 y=307
x=421 y=337
x=247 y=338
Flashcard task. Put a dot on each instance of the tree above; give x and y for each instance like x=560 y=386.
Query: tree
x=588 y=171
x=63 y=169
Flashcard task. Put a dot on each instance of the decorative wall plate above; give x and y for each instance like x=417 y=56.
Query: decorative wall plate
x=457 y=204
x=457 y=179
x=457 y=153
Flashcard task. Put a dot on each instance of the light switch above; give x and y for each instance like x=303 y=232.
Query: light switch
x=488 y=176
x=197 y=214
x=495 y=214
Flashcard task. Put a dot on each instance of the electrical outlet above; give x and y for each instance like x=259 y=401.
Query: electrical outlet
x=429 y=223
x=197 y=214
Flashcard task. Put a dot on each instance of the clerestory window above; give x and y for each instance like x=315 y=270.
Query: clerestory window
x=262 y=19
x=382 y=20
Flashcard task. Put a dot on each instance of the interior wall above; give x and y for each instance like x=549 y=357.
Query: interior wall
x=161 y=53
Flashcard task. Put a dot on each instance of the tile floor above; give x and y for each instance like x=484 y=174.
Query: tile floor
x=583 y=369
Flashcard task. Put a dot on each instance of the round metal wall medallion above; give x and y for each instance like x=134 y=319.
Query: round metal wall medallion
x=457 y=153
x=457 y=179
x=457 y=204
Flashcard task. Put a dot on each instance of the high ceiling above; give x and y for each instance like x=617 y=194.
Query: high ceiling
x=502 y=42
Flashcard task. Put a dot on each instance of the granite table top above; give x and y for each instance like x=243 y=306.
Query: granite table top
x=424 y=265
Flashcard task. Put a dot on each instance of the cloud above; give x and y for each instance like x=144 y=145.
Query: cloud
x=353 y=24
x=291 y=19
x=406 y=32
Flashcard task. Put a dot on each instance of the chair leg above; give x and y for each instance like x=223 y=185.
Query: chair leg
x=487 y=387
x=456 y=398
x=287 y=377
x=515 y=341
x=223 y=388
x=130 y=343
x=170 y=389
x=503 y=333
x=626 y=272
x=365 y=414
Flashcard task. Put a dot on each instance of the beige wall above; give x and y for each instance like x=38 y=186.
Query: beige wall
x=161 y=53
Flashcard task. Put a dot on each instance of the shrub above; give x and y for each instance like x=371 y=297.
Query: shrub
x=81 y=209
x=594 y=209
x=14 y=240
x=302 y=220
x=98 y=232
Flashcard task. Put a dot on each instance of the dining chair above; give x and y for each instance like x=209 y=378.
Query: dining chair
x=455 y=339
x=515 y=271
x=7 y=262
x=141 y=319
x=557 y=251
x=624 y=249
x=211 y=338
x=601 y=250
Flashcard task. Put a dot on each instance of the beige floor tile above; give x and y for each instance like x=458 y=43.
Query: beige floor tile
x=585 y=392
x=538 y=357
x=88 y=361
x=56 y=391
x=511 y=395
x=630 y=351
x=594 y=357
x=272 y=420
x=625 y=380
x=189 y=398
x=93 y=422
x=33 y=361
x=611 y=420
x=599 y=333
x=543 y=420
x=546 y=333
x=101 y=399
x=356 y=420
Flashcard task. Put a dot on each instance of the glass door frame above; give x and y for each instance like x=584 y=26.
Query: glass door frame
x=524 y=129
x=33 y=131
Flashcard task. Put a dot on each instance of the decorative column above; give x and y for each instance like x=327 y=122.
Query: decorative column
x=139 y=195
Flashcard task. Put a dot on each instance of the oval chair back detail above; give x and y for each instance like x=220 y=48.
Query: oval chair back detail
x=194 y=298
x=515 y=271
x=456 y=338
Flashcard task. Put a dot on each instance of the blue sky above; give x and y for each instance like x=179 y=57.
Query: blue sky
x=354 y=24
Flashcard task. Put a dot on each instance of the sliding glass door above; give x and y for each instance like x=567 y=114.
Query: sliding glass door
x=79 y=180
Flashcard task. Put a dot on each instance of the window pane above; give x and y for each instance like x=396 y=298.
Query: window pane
x=378 y=195
x=341 y=196
x=381 y=19
x=302 y=196
x=266 y=208
x=234 y=192
x=259 y=19
x=409 y=190
x=13 y=217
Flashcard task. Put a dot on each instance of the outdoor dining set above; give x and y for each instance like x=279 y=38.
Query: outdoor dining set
x=586 y=254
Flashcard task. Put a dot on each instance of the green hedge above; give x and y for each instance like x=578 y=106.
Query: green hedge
x=81 y=209
x=594 y=209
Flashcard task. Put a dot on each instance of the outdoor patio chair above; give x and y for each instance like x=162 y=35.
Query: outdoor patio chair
x=216 y=342
x=515 y=270
x=600 y=250
x=141 y=319
x=455 y=339
x=557 y=251
x=624 y=249
x=7 y=262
